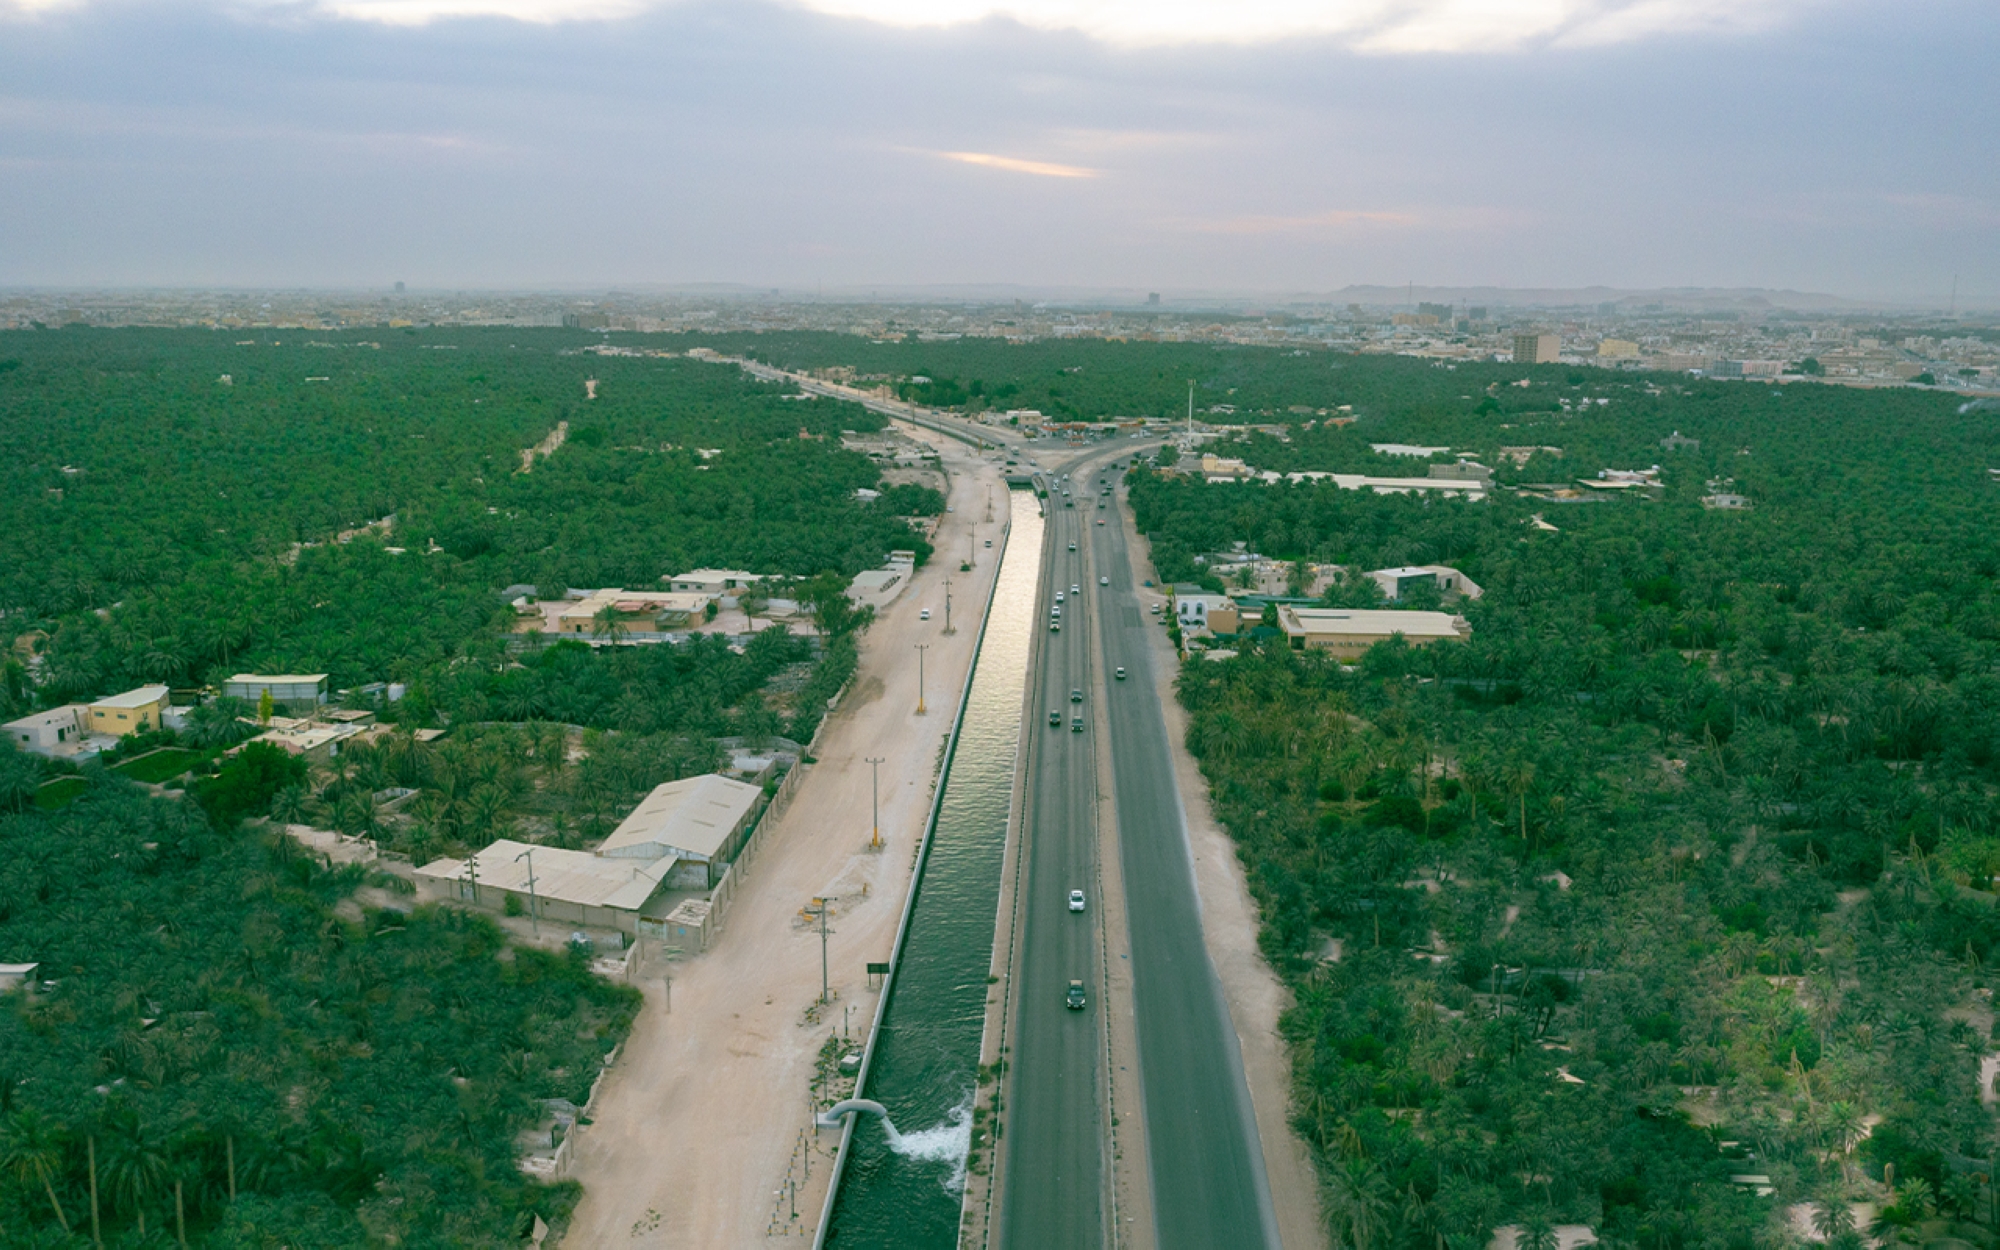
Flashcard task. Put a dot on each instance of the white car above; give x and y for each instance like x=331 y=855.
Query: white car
x=1076 y=900
x=1104 y=581
x=924 y=615
x=1059 y=597
x=1076 y=590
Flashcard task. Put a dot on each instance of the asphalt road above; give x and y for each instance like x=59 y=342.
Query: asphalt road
x=1055 y=1137
x=1209 y=1185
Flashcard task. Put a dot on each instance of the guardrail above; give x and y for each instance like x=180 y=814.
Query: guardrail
x=909 y=904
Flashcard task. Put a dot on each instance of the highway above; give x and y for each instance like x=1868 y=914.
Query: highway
x=1208 y=1178
x=1056 y=1172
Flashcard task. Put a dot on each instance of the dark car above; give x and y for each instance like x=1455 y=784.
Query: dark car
x=1076 y=724
x=1055 y=717
x=1074 y=1000
x=1076 y=696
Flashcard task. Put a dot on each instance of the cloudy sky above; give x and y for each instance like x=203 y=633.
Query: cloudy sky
x=1847 y=146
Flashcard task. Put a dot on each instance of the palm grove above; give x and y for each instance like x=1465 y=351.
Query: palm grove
x=230 y=1043
x=1664 y=904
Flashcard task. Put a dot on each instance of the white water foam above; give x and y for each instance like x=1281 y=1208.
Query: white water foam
x=949 y=1142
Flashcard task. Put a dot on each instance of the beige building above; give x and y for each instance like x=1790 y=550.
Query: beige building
x=1449 y=581
x=1350 y=632
x=1618 y=349
x=701 y=821
x=682 y=836
x=634 y=609
x=1536 y=349
x=1197 y=610
x=569 y=887
x=715 y=582
x=135 y=711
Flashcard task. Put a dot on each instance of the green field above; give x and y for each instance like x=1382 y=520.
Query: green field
x=156 y=766
x=59 y=793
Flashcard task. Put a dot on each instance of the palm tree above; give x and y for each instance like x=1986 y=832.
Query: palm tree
x=136 y=1165
x=31 y=1149
x=1358 y=1204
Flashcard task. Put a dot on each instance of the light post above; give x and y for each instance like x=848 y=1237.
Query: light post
x=472 y=875
x=875 y=798
x=822 y=949
x=947 y=605
x=921 y=648
x=534 y=908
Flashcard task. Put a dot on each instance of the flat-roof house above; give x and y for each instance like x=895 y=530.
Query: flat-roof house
x=681 y=836
x=570 y=887
x=291 y=689
x=1198 y=609
x=701 y=821
x=1396 y=582
x=717 y=582
x=1349 y=632
x=135 y=711
x=53 y=732
x=312 y=741
x=651 y=609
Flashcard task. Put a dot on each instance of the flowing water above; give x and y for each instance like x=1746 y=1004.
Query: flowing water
x=901 y=1188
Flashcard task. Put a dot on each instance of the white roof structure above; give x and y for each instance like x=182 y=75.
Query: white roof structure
x=1370 y=622
x=144 y=696
x=693 y=818
x=279 y=679
x=568 y=876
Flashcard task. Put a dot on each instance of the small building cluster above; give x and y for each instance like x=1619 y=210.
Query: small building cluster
x=83 y=729
x=681 y=837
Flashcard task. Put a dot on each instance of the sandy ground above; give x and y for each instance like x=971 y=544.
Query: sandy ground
x=702 y=1128
x=1229 y=928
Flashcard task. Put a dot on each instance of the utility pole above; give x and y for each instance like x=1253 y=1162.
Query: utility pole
x=822 y=949
x=947 y=605
x=534 y=908
x=875 y=763
x=1190 y=423
x=921 y=648
x=472 y=875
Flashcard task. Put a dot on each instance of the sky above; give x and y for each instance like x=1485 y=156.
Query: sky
x=1281 y=146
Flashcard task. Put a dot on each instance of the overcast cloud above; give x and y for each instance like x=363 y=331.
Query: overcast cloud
x=1180 y=145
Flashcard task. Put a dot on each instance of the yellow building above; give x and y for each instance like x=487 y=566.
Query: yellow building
x=1347 y=633
x=135 y=711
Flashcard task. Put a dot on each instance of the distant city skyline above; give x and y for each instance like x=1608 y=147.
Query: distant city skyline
x=1270 y=148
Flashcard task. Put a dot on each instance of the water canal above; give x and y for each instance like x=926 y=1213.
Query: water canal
x=901 y=1183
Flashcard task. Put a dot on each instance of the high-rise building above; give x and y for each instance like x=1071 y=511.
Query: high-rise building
x=1536 y=349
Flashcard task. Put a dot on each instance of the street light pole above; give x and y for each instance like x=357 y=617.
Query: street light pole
x=947 y=605
x=875 y=798
x=534 y=908
x=822 y=949
x=921 y=648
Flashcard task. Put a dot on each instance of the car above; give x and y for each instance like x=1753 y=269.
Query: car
x=1069 y=503
x=1074 y=999
x=1100 y=520
x=1104 y=581
x=1059 y=597
x=1076 y=696
x=1072 y=547
x=1075 y=589
x=1147 y=582
x=1055 y=718
x=1055 y=627
x=1156 y=609
x=1076 y=900
x=1076 y=724
x=1119 y=674
x=924 y=615
x=951 y=507
x=989 y=542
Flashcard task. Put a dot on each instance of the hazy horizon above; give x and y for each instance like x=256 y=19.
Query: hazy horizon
x=1258 y=150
